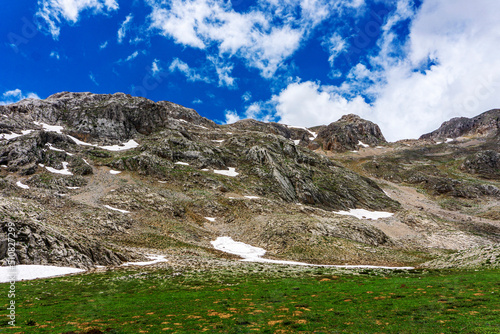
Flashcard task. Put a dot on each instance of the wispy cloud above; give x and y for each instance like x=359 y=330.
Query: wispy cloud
x=122 y=32
x=93 y=79
x=55 y=54
x=54 y=12
x=16 y=95
x=190 y=73
x=132 y=56
x=155 y=67
x=103 y=45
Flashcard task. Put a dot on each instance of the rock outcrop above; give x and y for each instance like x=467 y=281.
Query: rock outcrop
x=349 y=133
x=486 y=124
x=485 y=163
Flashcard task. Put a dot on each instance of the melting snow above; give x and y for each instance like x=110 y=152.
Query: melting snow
x=125 y=146
x=449 y=140
x=254 y=254
x=181 y=163
x=115 y=209
x=154 y=259
x=363 y=144
x=64 y=171
x=210 y=219
x=57 y=149
x=218 y=141
x=313 y=134
x=231 y=172
x=28 y=272
x=20 y=185
x=14 y=135
x=296 y=142
x=114 y=172
x=252 y=197
x=73 y=188
x=50 y=128
x=122 y=147
x=365 y=214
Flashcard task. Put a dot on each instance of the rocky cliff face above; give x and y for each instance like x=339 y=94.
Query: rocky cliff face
x=486 y=124
x=349 y=133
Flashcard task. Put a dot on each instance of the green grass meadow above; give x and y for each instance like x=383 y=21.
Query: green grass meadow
x=310 y=301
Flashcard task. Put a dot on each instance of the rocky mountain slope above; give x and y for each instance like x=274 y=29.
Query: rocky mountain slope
x=104 y=179
x=483 y=125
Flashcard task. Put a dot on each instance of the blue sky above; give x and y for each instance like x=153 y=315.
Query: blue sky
x=406 y=65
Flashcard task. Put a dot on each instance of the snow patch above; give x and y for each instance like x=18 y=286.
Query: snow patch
x=14 y=135
x=20 y=185
x=313 y=134
x=181 y=163
x=154 y=259
x=210 y=219
x=29 y=272
x=72 y=188
x=122 y=147
x=296 y=142
x=50 y=128
x=115 y=209
x=449 y=140
x=254 y=254
x=218 y=141
x=231 y=172
x=252 y=197
x=365 y=214
x=363 y=144
x=114 y=172
x=64 y=171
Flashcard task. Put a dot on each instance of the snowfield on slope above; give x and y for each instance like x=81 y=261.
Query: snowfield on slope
x=365 y=214
x=254 y=254
x=28 y=272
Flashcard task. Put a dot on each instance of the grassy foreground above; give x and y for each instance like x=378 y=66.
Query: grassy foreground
x=317 y=300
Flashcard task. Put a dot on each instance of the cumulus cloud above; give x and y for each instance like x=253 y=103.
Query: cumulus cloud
x=54 y=12
x=257 y=36
x=231 y=116
x=309 y=104
x=447 y=67
x=16 y=95
x=122 y=32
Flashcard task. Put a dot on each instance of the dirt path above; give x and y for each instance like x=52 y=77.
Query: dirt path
x=100 y=184
x=410 y=198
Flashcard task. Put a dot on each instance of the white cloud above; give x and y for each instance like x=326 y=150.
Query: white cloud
x=16 y=95
x=447 y=67
x=191 y=74
x=122 y=32
x=309 y=104
x=223 y=71
x=231 y=116
x=264 y=36
x=103 y=45
x=53 y=12
x=132 y=56
x=247 y=96
x=197 y=101
x=93 y=79
x=55 y=54
x=155 y=68
x=335 y=45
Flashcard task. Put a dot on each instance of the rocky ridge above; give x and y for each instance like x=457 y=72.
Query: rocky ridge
x=105 y=179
